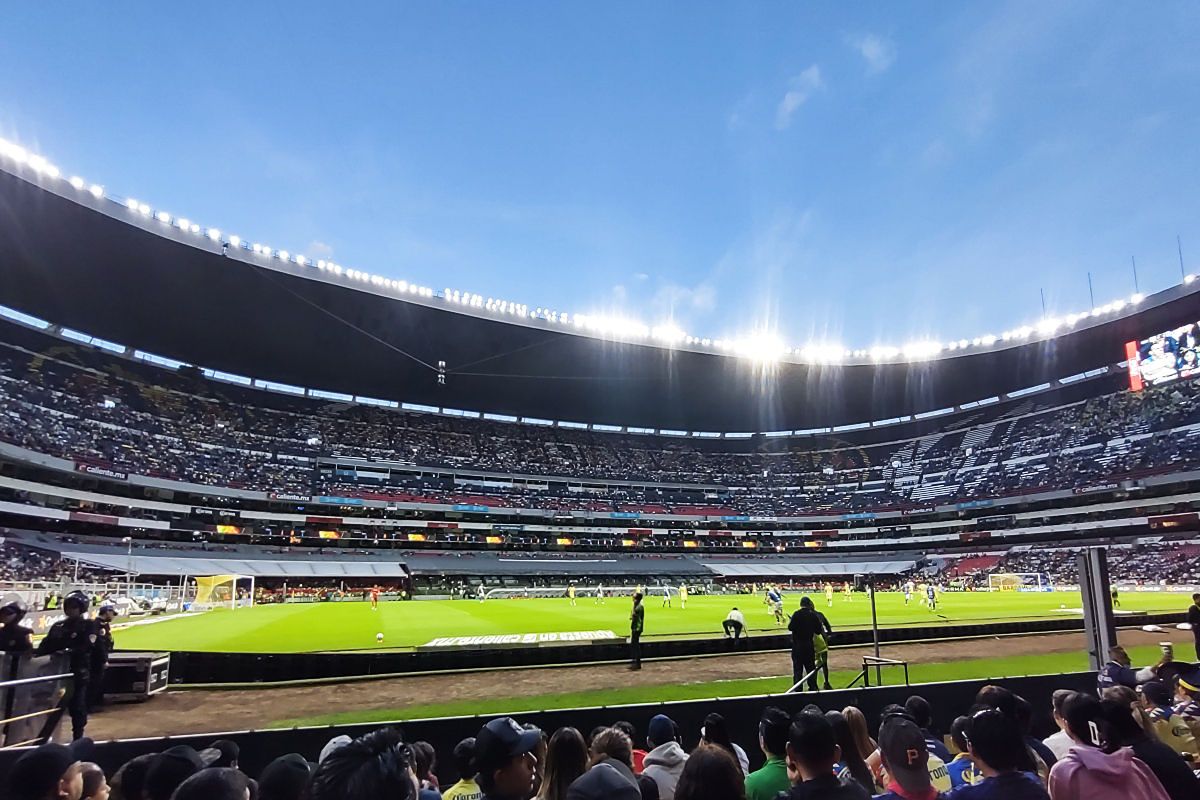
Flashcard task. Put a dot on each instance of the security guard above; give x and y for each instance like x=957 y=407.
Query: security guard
x=13 y=637
x=75 y=635
x=100 y=653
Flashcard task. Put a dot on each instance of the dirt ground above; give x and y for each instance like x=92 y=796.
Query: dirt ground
x=212 y=710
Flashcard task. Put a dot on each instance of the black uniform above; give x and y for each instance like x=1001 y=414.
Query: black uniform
x=99 y=659
x=75 y=636
x=14 y=638
x=804 y=624
x=637 y=622
x=1193 y=617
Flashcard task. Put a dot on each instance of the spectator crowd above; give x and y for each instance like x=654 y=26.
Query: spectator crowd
x=1125 y=744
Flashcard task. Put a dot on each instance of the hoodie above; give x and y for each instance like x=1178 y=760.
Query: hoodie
x=664 y=764
x=1088 y=773
x=606 y=780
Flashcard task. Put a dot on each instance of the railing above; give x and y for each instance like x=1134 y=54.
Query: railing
x=32 y=705
x=878 y=663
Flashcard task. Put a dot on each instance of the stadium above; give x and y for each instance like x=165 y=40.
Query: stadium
x=319 y=499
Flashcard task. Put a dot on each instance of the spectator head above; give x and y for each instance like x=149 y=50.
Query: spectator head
x=612 y=743
x=806 y=602
x=1155 y=694
x=332 y=746
x=566 y=760
x=811 y=748
x=858 y=727
x=1121 y=723
x=1057 y=700
x=1085 y=721
x=1117 y=653
x=904 y=754
x=377 y=765
x=464 y=758
x=958 y=733
x=627 y=729
x=106 y=612
x=1196 y=598
x=130 y=780
x=919 y=709
x=284 y=778
x=219 y=783
x=995 y=741
x=49 y=772
x=773 y=731
x=894 y=710
x=424 y=760
x=1023 y=713
x=711 y=773
x=595 y=732
x=662 y=729
x=997 y=697
x=172 y=767
x=229 y=752
x=95 y=785
x=504 y=758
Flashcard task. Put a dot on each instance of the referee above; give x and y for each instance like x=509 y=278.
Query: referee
x=637 y=622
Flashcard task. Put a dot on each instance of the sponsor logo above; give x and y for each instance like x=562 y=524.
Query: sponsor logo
x=291 y=497
x=521 y=638
x=101 y=472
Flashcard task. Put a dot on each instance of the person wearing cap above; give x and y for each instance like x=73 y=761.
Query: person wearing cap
x=665 y=760
x=812 y=750
x=1173 y=772
x=1193 y=618
x=463 y=758
x=376 y=766
x=505 y=761
x=217 y=783
x=49 y=772
x=14 y=637
x=996 y=747
x=285 y=778
x=1187 y=696
x=75 y=636
x=172 y=767
x=1097 y=768
x=905 y=758
x=637 y=623
x=229 y=752
x=99 y=657
x=1168 y=726
x=769 y=780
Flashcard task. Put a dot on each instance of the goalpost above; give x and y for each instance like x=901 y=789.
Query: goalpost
x=1020 y=582
x=220 y=591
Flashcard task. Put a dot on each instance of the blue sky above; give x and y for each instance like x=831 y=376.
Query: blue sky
x=850 y=172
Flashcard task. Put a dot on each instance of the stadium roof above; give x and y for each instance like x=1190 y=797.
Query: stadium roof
x=80 y=259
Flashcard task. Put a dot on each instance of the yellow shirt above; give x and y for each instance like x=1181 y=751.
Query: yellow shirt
x=463 y=790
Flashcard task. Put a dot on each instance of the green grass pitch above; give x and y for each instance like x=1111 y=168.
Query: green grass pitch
x=306 y=627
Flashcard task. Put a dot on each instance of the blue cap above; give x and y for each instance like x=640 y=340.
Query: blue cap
x=661 y=730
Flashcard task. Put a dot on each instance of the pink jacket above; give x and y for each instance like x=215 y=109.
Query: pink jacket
x=1088 y=773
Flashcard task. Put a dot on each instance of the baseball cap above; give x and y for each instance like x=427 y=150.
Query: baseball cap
x=904 y=752
x=229 y=752
x=284 y=778
x=332 y=746
x=500 y=740
x=661 y=729
x=1190 y=681
x=172 y=767
x=38 y=771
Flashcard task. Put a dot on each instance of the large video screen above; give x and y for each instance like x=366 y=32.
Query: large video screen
x=1164 y=357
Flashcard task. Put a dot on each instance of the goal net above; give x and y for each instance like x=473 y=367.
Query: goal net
x=219 y=591
x=1020 y=582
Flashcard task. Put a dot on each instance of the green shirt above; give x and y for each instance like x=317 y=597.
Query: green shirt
x=766 y=783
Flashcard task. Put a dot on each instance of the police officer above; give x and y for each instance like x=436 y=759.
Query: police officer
x=76 y=636
x=13 y=637
x=100 y=653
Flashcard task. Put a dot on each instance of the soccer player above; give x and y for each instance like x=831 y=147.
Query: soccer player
x=846 y=596
x=571 y=593
x=600 y=595
x=374 y=598
x=775 y=601
x=482 y=593
x=829 y=594
x=1116 y=600
x=908 y=592
x=931 y=596
x=666 y=603
x=683 y=595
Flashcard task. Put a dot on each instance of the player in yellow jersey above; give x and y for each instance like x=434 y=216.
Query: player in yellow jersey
x=571 y=593
x=846 y=596
x=683 y=595
x=829 y=594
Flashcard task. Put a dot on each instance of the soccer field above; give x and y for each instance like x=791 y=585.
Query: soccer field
x=306 y=627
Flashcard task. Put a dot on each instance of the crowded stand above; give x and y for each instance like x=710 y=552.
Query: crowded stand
x=91 y=408
x=1127 y=743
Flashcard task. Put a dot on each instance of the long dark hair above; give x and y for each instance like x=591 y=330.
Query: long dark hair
x=711 y=773
x=851 y=759
x=717 y=733
x=566 y=760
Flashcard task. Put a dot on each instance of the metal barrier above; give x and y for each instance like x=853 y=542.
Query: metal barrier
x=878 y=662
x=33 y=697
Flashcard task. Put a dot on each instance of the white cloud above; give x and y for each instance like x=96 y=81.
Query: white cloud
x=800 y=88
x=878 y=52
x=318 y=249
